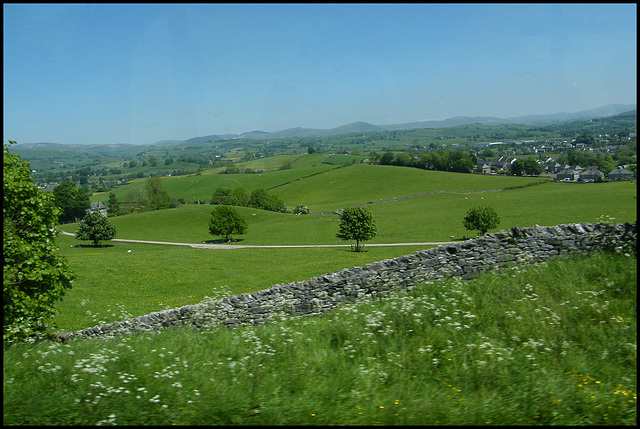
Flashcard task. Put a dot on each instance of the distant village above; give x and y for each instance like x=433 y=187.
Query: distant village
x=550 y=164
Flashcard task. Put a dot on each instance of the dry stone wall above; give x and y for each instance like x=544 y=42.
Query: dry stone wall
x=320 y=294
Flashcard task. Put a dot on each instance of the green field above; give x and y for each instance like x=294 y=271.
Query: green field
x=153 y=277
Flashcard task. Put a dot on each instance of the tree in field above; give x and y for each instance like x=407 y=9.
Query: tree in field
x=260 y=199
x=481 y=219
x=238 y=196
x=112 y=205
x=225 y=221
x=95 y=227
x=158 y=196
x=72 y=200
x=356 y=224
x=34 y=276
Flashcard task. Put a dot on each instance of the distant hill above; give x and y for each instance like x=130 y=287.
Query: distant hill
x=357 y=127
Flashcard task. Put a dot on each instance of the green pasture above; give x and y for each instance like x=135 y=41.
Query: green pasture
x=326 y=187
x=433 y=217
x=154 y=277
x=193 y=187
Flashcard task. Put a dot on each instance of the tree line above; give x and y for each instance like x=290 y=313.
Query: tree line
x=440 y=160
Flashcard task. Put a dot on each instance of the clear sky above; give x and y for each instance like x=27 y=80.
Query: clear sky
x=125 y=73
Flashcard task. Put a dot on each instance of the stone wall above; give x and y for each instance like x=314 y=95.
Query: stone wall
x=320 y=294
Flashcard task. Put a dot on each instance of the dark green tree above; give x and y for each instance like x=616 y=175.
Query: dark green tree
x=532 y=167
x=481 y=219
x=260 y=199
x=225 y=221
x=518 y=167
x=72 y=200
x=387 y=158
x=35 y=276
x=357 y=224
x=158 y=196
x=113 y=206
x=95 y=227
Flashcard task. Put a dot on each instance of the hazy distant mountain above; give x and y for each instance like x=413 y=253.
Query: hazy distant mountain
x=358 y=127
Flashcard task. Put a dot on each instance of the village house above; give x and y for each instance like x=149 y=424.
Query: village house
x=591 y=174
x=620 y=173
x=567 y=174
x=101 y=208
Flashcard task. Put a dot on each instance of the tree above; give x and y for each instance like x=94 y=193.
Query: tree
x=225 y=221
x=112 y=205
x=356 y=224
x=260 y=199
x=311 y=150
x=73 y=201
x=158 y=196
x=532 y=167
x=35 y=276
x=481 y=219
x=301 y=209
x=517 y=167
x=95 y=227
x=238 y=196
x=387 y=159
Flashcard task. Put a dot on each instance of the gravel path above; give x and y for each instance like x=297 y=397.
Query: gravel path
x=242 y=246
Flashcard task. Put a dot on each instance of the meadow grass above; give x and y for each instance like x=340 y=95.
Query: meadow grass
x=434 y=217
x=155 y=277
x=547 y=344
x=303 y=184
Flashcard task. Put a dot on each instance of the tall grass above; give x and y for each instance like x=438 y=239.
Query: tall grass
x=552 y=343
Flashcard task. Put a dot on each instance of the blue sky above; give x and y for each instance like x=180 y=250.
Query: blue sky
x=138 y=74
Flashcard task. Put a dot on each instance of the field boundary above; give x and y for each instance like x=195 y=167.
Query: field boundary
x=516 y=246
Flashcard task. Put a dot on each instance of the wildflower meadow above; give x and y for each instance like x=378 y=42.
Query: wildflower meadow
x=552 y=343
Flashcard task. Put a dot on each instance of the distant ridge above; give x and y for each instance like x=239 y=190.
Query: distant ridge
x=549 y=119
x=357 y=127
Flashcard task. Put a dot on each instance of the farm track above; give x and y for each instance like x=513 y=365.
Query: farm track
x=242 y=246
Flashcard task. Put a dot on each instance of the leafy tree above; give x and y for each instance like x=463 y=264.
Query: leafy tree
x=356 y=224
x=35 y=276
x=301 y=209
x=158 y=196
x=532 y=167
x=95 y=227
x=481 y=219
x=517 y=168
x=387 y=158
x=136 y=196
x=225 y=221
x=260 y=199
x=73 y=201
x=112 y=205
x=238 y=196
x=311 y=150
x=153 y=161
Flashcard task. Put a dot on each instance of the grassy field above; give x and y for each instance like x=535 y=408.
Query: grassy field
x=549 y=344
x=434 y=217
x=153 y=277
